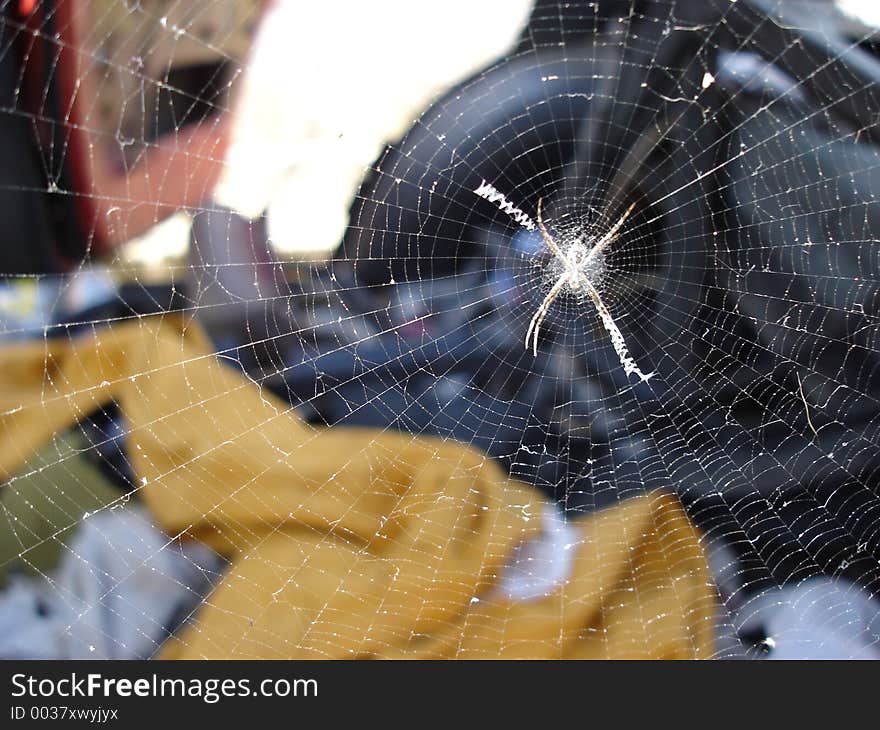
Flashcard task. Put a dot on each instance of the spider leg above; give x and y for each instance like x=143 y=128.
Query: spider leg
x=548 y=239
x=538 y=317
x=612 y=234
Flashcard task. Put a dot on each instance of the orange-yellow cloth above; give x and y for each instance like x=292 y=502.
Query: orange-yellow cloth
x=351 y=542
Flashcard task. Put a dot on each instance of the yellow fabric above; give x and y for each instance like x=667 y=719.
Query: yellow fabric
x=351 y=542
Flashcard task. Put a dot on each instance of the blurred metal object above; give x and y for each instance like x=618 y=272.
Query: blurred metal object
x=27 y=306
x=236 y=284
x=34 y=306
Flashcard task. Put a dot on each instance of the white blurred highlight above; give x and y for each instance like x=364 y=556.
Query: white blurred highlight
x=326 y=88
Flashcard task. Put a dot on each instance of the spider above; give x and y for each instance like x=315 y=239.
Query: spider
x=576 y=262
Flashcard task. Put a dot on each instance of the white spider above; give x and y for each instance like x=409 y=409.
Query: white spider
x=577 y=263
x=579 y=266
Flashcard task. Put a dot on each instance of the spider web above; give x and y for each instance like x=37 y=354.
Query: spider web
x=349 y=266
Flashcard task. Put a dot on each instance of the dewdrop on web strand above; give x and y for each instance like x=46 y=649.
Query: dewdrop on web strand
x=576 y=262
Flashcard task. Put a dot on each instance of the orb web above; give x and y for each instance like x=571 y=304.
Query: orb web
x=370 y=259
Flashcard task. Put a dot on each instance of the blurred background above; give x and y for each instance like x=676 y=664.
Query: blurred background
x=298 y=180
